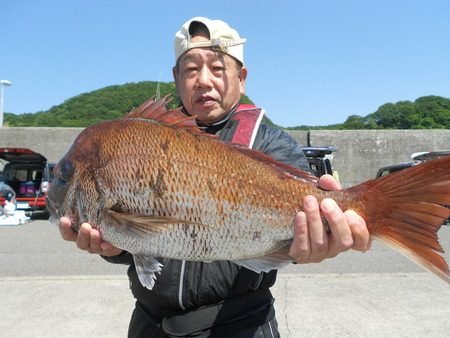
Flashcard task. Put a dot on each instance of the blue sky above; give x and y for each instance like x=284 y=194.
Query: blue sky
x=310 y=62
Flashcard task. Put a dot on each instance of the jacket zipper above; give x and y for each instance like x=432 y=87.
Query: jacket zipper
x=180 y=288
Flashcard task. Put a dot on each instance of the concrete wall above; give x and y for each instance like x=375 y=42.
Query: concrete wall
x=50 y=142
x=360 y=153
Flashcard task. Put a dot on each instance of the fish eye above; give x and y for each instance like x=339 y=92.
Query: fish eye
x=64 y=171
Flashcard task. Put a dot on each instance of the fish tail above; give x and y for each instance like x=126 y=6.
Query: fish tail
x=406 y=210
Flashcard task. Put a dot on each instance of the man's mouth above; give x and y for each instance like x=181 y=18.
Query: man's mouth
x=205 y=100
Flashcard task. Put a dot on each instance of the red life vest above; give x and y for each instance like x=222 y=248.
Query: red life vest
x=243 y=126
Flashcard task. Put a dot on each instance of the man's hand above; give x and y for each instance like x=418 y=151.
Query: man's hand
x=312 y=243
x=87 y=238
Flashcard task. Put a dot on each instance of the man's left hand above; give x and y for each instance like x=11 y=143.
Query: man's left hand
x=312 y=242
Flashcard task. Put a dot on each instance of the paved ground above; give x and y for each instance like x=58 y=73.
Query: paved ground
x=50 y=289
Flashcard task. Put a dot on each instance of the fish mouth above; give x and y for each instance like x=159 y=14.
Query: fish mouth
x=55 y=216
x=56 y=213
x=51 y=207
x=54 y=220
x=53 y=211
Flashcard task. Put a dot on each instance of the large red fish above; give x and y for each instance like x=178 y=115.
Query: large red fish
x=156 y=186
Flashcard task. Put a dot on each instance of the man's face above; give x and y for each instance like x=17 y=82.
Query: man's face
x=209 y=83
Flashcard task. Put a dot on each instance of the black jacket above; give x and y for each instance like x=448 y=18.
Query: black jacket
x=188 y=285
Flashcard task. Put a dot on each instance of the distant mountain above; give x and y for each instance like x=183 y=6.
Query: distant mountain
x=103 y=104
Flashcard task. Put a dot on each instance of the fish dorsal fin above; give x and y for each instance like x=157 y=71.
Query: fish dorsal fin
x=157 y=111
x=283 y=170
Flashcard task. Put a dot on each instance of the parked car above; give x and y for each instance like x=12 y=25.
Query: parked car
x=29 y=174
x=393 y=168
x=416 y=158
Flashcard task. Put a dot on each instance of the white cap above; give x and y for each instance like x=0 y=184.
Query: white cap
x=222 y=38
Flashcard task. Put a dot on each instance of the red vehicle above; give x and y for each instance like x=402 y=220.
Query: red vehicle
x=29 y=174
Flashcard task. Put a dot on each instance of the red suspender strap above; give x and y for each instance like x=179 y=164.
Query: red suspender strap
x=247 y=120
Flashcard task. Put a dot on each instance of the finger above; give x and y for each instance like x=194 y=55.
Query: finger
x=328 y=182
x=98 y=246
x=109 y=250
x=341 y=238
x=361 y=237
x=84 y=237
x=299 y=250
x=95 y=242
x=65 y=228
x=318 y=236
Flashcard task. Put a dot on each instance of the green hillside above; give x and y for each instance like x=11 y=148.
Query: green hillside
x=89 y=108
x=428 y=112
x=103 y=104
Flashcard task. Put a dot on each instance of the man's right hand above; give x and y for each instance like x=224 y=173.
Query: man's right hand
x=87 y=238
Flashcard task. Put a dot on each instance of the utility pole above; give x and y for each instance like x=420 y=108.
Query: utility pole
x=3 y=83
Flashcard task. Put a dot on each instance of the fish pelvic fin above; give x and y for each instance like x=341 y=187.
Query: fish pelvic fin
x=147 y=268
x=272 y=261
x=263 y=264
x=406 y=210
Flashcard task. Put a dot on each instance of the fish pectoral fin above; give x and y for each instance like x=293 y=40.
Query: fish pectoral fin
x=146 y=223
x=147 y=268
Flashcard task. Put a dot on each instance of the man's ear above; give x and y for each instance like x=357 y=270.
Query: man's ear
x=175 y=73
x=242 y=78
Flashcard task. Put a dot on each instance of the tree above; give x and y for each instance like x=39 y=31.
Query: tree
x=354 y=122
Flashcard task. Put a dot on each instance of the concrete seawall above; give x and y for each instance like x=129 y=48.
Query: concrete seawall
x=360 y=153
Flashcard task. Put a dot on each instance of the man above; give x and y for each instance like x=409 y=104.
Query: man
x=220 y=298
x=9 y=195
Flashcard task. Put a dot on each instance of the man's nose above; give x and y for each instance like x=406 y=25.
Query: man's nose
x=204 y=78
